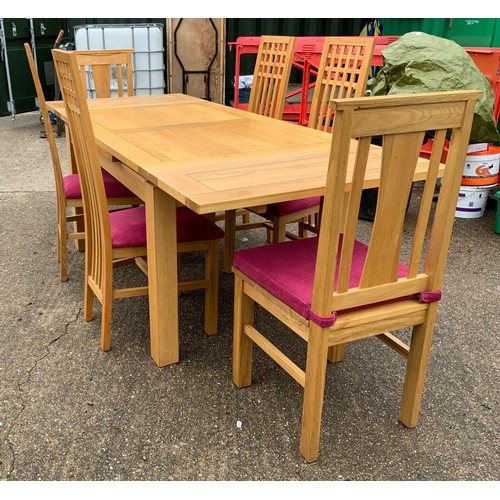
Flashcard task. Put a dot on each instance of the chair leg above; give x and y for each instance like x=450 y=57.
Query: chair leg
x=106 y=316
x=229 y=239
x=179 y=265
x=88 y=293
x=62 y=250
x=279 y=230
x=245 y=217
x=269 y=235
x=336 y=353
x=416 y=368
x=242 y=344
x=88 y=301
x=212 y=292
x=302 y=230
x=79 y=227
x=59 y=241
x=313 y=393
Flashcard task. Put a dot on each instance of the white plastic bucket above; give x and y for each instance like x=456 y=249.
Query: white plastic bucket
x=481 y=168
x=472 y=201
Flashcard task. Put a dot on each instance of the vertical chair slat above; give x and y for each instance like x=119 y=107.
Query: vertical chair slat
x=399 y=159
x=447 y=202
x=352 y=214
x=333 y=224
x=426 y=203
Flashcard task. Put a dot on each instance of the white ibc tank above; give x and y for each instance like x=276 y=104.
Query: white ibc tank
x=145 y=39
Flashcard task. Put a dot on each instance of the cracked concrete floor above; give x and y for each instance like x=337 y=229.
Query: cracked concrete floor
x=71 y=412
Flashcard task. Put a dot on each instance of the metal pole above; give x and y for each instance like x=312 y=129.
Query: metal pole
x=33 y=50
x=3 y=43
x=33 y=45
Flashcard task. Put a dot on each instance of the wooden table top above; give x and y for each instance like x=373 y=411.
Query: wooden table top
x=212 y=157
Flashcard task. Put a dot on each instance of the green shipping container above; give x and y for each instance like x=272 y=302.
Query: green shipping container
x=17 y=92
x=481 y=32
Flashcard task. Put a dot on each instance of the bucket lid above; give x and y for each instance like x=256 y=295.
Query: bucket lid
x=492 y=150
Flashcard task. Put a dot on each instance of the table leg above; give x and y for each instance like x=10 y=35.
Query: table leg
x=229 y=239
x=162 y=276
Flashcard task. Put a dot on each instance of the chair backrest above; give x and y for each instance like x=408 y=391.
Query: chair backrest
x=97 y=225
x=343 y=72
x=271 y=76
x=402 y=121
x=103 y=70
x=56 y=163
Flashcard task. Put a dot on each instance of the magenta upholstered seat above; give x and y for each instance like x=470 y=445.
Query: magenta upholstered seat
x=114 y=188
x=287 y=270
x=291 y=207
x=128 y=227
x=72 y=188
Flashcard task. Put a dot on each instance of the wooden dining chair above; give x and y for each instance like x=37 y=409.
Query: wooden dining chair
x=106 y=73
x=342 y=288
x=267 y=98
x=342 y=73
x=68 y=192
x=271 y=76
x=120 y=236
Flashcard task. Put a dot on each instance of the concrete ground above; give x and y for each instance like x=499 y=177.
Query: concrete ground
x=70 y=412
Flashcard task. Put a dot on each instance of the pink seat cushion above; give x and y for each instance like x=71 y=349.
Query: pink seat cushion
x=287 y=270
x=113 y=187
x=290 y=207
x=128 y=227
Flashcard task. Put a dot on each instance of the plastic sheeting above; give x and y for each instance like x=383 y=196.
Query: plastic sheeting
x=418 y=62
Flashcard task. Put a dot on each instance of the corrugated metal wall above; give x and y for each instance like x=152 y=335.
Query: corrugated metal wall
x=22 y=85
x=432 y=26
x=466 y=32
x=292 y=26
x=236 y=27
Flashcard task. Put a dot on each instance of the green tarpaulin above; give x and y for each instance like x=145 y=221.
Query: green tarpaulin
x=418 y=62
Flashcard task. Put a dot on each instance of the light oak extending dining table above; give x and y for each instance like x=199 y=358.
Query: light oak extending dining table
x=174 y=148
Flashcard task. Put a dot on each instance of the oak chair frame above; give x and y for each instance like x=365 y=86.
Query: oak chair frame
x=382 y=302
x=100 y=64
x=63 y=204
x=342 y=73
x=100 y=256
x=267 y=98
